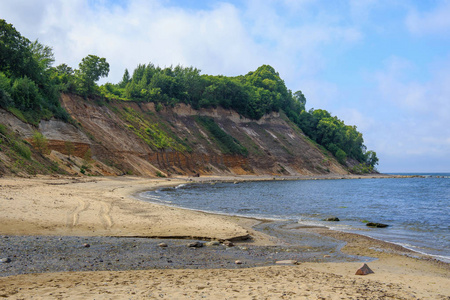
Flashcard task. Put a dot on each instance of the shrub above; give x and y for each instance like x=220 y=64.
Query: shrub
x=159 y=174
x=22 y=149
x=40 y=142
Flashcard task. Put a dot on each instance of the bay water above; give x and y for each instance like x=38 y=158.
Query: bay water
x=417 y=210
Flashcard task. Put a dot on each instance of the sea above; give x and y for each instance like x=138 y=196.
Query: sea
x=416 y=209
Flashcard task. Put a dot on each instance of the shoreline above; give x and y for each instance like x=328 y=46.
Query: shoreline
x=96 y=207
x=206 y=180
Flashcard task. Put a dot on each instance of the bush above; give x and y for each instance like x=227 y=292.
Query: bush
x=22 y=149
x=159 y=174
x=341 y=156
x=40 y=142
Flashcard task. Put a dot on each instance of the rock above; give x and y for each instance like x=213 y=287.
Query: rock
x=364 y=270
x=228 y=244
x=195 y=245
x=163 y=245
x=287 y=262
x=332 y=219
x=5 y=260
x=377 y=225
x=213 y=243
x=238 y=262
x=86 y=245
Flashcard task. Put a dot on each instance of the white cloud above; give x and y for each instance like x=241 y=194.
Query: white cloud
x=420 y=112
x=220 y=39
x=145 y=31
x=436 y=21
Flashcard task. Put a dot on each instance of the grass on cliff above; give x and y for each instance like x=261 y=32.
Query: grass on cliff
x=151 y=133
x=227 y=143
x=20 y=157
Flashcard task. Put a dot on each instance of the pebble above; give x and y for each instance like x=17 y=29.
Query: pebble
x=195 y=245
x=162 y=245
x=212 y=243
x=86 y=245
x=238 y=262
x=286 y=262
x=228 y=244
x=5 y=260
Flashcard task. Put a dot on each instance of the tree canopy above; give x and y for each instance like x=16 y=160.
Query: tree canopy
x=25 y=77
x=91 y=68
x=252 y=95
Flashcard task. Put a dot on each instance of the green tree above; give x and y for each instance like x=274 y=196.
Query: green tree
x=43 y=55
x=371 y=158
x=90 y=70
x=300 y=98
x=40 y=142
x=15 y=55
x=341 y=156
x=125 y=79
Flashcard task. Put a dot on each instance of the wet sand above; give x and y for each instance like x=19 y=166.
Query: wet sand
x=50 y=219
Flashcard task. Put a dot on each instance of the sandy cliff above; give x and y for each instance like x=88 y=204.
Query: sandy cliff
x=117 y=137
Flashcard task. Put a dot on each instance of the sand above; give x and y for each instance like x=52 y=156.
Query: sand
x=85 y=206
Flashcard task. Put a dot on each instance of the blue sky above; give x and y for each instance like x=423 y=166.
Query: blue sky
x=383 y=65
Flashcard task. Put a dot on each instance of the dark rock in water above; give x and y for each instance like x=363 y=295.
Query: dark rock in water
x=332 y=219
x=5 y=260
x=238 y=262
x=195 y=245
x=86 y=245
x=364 y=270
x=377 y=225
x=162 y=245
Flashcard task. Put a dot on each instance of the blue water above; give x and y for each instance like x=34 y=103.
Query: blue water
x=417 y=209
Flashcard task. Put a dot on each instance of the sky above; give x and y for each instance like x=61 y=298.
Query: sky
x=382 y=65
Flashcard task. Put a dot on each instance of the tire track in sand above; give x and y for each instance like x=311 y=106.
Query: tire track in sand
x=74 y=215
x=105 y=214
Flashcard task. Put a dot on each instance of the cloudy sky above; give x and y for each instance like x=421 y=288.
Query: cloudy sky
x=383 y=65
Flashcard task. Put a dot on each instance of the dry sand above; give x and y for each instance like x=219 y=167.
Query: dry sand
x=105 y=207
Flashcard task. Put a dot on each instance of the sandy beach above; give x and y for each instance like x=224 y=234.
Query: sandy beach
x=106 y=207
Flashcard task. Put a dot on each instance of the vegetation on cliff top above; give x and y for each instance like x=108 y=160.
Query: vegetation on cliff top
x=252 y=95
x=30 y=89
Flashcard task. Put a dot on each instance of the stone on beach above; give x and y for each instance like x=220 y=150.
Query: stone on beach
x=228 y=243
x=213 y=243
x=5 y=260
x=195 y=245
x=364 y=270
x=86 y=245
x=287 y=262
x=162 y=245
x=238 y=262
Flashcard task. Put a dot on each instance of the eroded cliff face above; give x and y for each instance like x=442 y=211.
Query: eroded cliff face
x=135 y=138
x=118 y=137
